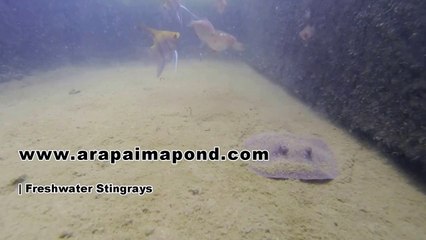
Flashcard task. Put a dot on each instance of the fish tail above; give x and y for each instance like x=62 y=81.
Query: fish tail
x=176 y=59
x=160 y=65
x=147 y=29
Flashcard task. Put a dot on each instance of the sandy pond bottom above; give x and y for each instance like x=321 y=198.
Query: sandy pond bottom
x=206 y=103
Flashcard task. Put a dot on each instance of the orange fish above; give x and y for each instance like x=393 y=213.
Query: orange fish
x=164 y=46
x=215 y=39
x=221 y=5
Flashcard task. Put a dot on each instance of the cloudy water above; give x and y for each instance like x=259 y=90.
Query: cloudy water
x=212 y=119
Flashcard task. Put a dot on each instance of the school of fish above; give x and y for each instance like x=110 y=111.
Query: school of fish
x=165 y=43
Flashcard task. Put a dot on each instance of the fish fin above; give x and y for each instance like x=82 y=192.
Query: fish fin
x=147 y=29
x=193 y=16
x=161 y=63
x=179 y=18
x=176 y=59
x=153 y=49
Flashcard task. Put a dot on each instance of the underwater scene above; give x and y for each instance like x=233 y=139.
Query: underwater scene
x=212 y=119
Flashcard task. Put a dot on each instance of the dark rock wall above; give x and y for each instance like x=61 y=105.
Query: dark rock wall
x=364 y=65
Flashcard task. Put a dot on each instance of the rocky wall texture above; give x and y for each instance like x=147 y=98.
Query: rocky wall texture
x=361 y=62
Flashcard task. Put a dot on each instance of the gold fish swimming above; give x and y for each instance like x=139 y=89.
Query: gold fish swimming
x=215 y=39
x=164 y=46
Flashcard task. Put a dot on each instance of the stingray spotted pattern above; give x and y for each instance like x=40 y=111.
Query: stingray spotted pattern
x=292 y=157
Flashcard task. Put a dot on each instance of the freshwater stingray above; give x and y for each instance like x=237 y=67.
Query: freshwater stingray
x=164 y=46
x=293 y=157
